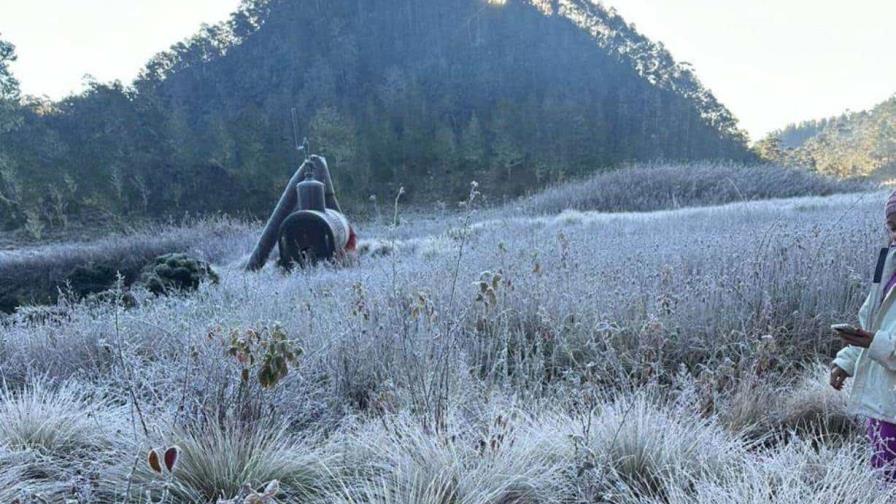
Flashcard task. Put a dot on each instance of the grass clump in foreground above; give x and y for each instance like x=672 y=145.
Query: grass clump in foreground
x=56 y=439
x=647 y=450
x=55 y=423
x=501 y=457
x=233 y=460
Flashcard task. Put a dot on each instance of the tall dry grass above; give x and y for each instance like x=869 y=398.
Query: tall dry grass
x=661 y=186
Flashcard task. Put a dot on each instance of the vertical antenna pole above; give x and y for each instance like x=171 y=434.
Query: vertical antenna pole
x=303 y=148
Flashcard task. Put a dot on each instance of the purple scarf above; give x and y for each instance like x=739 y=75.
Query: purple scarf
x=890 y=283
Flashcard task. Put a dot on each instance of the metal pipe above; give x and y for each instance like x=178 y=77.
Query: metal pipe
x=285 y=206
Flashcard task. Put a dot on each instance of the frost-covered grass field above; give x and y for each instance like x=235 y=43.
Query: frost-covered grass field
x=659 y=186
x=496 y=357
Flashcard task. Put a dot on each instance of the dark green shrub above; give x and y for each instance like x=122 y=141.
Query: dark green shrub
x=176 y=272
x=92 y=278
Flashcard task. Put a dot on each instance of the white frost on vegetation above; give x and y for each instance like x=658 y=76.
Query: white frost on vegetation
x=578 y=357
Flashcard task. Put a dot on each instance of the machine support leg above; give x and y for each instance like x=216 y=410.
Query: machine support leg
x=268 y=239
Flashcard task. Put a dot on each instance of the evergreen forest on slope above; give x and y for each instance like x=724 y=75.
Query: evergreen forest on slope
x=422 y=94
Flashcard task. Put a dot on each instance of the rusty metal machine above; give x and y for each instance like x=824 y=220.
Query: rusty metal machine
x=313 y=232
x=307 y=224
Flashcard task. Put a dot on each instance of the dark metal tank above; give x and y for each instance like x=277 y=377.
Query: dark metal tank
x=311 y=194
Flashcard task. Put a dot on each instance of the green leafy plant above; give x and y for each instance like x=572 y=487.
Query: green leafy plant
x=268 y=352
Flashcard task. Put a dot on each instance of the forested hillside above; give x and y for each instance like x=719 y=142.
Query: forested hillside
x=852 y=144
x=425 y=94
x=793 y=136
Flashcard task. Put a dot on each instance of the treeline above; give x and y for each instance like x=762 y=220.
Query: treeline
x=794 y=136
x=854 y=144
x=425 y=94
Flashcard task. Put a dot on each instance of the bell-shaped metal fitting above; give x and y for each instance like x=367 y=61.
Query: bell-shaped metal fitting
x=311 y=194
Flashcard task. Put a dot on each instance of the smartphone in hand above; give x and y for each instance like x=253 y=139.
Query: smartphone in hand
x=845 y=328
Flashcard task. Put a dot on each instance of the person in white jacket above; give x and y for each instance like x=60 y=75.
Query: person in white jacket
x=870 y=358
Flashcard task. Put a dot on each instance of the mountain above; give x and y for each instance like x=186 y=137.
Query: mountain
x=850 y=145
x=424 y=94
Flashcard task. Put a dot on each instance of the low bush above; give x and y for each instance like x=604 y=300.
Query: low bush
x=172 y=273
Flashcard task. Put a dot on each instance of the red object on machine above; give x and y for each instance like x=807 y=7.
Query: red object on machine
x=352 y=244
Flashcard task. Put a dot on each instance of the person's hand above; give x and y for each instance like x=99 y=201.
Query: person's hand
x=861 y=338
x=838 y=376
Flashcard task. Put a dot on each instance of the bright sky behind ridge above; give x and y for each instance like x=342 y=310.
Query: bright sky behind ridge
x=59 y=41
x=771 y=62
x=774 y=62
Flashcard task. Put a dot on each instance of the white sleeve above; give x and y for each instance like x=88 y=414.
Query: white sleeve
x=846 y=359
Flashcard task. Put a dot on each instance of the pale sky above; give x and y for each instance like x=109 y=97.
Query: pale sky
x=771 y=62
x=59 y=41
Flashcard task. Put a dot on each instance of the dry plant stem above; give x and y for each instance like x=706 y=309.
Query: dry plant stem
x=450 y=339
x=393 y=240
x=129 y=379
